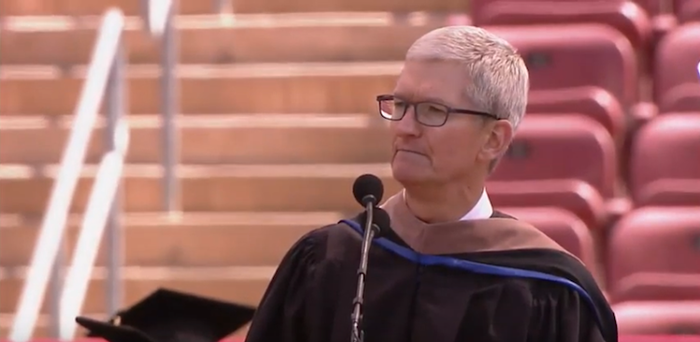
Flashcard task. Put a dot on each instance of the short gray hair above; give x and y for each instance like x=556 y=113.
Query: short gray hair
x=498 y=80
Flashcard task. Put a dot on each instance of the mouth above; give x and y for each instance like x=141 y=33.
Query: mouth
x=409 y=151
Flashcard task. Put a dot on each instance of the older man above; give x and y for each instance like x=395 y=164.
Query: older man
x=452 y=269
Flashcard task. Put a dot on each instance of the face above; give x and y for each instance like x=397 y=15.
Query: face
x=465 y=145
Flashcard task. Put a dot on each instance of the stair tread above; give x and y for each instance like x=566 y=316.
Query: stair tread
x=208 y=121
x=165 y=273
x=205 y=219
x=133 y=7
x=18 y=171
x=215 y=71
x=246 y=289
x=217 y=243
x=206 y=21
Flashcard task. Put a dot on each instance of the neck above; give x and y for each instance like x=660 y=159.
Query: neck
x=442 y=204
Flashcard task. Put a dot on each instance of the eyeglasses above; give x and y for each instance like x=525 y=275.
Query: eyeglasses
x=427 y=113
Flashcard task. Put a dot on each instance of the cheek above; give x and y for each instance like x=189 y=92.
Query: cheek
x=455 y=150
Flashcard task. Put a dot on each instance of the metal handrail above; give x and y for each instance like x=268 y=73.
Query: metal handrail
x=93 y=226
x=105 y=72
x=159 y=18
x=105 y=65
x=102 y=212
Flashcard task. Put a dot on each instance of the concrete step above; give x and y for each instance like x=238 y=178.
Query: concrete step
x=235 y=139
x=237 y=284
x=133 y=7
x=210 y=89
x=190 y=240
x=44 y=331
x=78 y=7
x=247 y=39
x=313 y=187
x=43 y=328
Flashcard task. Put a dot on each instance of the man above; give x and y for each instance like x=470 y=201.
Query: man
x=452 y=269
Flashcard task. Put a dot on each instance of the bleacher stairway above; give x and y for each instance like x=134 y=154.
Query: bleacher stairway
x=278 y=118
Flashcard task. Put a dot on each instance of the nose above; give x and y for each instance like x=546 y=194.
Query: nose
x=407 y=126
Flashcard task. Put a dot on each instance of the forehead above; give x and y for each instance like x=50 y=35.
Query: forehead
x=432 y=80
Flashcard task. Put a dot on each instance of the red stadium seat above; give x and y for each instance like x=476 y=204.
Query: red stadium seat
x=682 y=317
x=687 y=10
x=658 y=338
x=665 y=161
x=655 y=7
x=561 y=147
x=654 y=240
x=571 y=56
x=676 y=85
x=568 y=230
x=626 y=16
x=658 y=287
x=575 y=196
x=592 y=102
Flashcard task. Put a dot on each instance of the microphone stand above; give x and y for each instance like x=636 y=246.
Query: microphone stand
x=370 y=230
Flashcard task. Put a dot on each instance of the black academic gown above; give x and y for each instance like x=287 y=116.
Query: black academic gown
x=429 y=299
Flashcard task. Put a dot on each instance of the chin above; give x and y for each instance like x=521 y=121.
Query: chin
x=406 y=175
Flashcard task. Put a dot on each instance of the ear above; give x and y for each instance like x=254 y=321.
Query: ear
x=499 y=135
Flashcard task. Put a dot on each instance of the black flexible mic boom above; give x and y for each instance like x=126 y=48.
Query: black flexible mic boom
x=368 y=191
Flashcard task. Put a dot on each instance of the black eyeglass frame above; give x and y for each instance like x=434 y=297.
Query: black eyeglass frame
x=449 y=110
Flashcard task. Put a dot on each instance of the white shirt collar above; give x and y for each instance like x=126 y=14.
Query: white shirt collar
x=482 y=210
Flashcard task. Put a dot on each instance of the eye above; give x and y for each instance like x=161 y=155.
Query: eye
x=437 y=109
x=399 y=104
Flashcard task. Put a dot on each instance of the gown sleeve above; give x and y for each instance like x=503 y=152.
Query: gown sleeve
x=280 y=315
x=563 y=316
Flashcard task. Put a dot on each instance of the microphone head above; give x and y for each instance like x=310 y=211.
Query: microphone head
x=368 y=189
x=382 y=219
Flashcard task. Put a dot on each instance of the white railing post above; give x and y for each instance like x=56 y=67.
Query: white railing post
x=54 y=222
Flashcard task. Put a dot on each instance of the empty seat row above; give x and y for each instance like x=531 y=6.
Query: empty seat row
x=676 y=83
x=568 y=230
x=652 y=241
x=659 y=318
x=599 y=52
x=664 y=163
x=641 y=21
x=561 y=147
x=653 y=253
x=582 y=56
x=658 y=338
x=627 y=17
x=574 y=55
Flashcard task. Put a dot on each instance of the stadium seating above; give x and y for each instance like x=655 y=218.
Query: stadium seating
x=625 y=16
x=657 y=318
x=665 y=168
x=654 y=240
x=568 y=230
x=575 y=196
x=687 y=10
x=676 y=85
x=572 y=56
x=543 y=142
x=657 y=287
x=592 y=102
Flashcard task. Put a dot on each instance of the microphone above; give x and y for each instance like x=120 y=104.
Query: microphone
x=368 y=191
